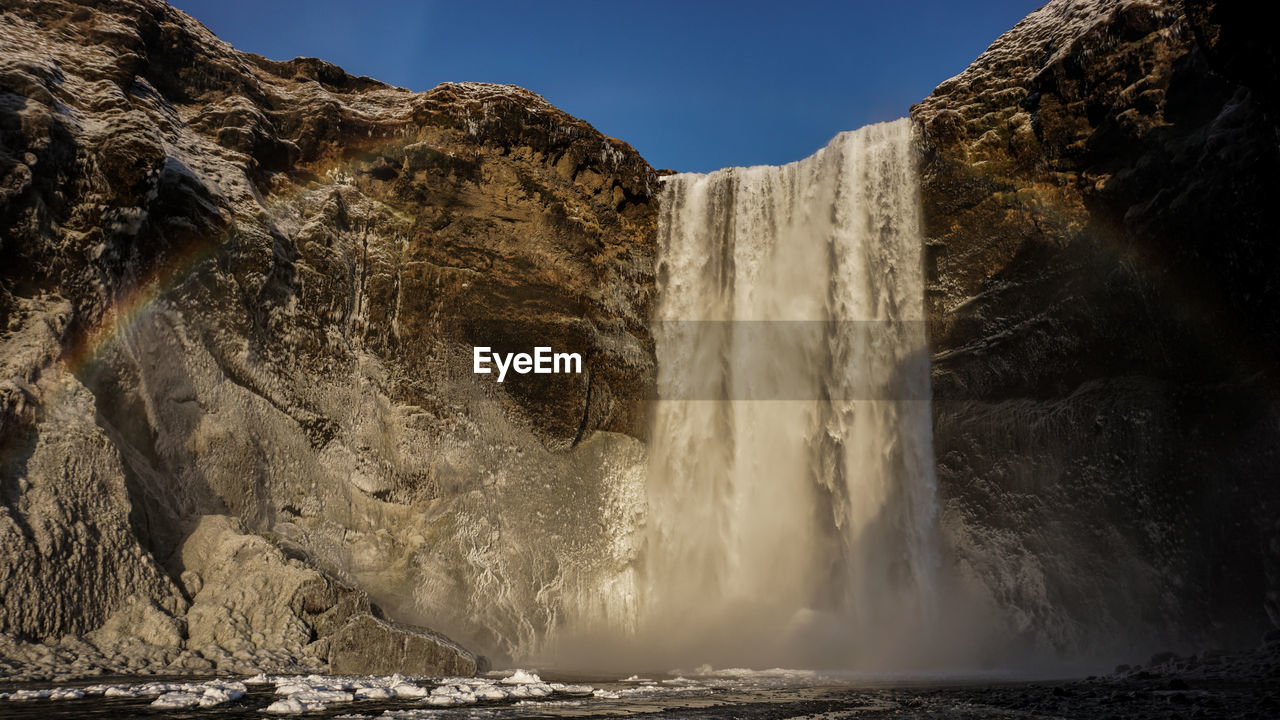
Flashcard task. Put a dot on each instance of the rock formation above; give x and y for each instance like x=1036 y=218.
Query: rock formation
x=1098 y=200
x=237 y=304
x=239 y=428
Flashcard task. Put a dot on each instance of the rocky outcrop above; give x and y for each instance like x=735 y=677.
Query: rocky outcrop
x=237 y=287
x=65 y=521
x=1098 y=202
x=369 y=645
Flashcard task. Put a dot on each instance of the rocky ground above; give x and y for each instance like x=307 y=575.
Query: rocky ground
x=72 y=658
x=252 y=610
x=1209 y=685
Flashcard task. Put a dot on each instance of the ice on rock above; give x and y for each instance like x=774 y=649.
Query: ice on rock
x=549 y=703
x=27 y=695
x=288 y=688
x=119 y=691
x=310 y=693
x=315 y=692
x=222 y=693
x=606 y=694
x=530 y=690
x=177 y=700
x=451 y=696
x=210 y=694
x=170 y=695
x=451 y=700
x=521 y=677
x=445 y=701
x=409 y=690
x=294 y=704
x=308 y=701
x=364 y=688
x=291 y=685
x=130 y=691
x=490 y=692
x=374 y=693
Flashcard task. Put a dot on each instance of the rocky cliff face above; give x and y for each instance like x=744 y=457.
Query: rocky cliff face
x=244 y=289
x=239 y=427
x=1098 y=192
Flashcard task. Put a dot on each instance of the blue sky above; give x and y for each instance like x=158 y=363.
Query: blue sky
x=693 y=85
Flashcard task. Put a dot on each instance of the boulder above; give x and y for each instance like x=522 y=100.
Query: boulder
x=368 y=645
x=140 y=620
x=253 y=597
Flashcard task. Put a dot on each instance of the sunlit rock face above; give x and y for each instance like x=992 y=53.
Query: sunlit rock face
x=234 y=286
x=1099 y=204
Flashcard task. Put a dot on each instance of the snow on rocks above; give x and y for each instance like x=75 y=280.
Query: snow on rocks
x=490 y=692
x=311 y=693
x=451 y=696
x=521 y=677
x=606 y=694
x=308 y=700
x=374 y=693
x=210 y=694
x=168 y=695
x=175 y=700
x=46 y=694
x=316 y=692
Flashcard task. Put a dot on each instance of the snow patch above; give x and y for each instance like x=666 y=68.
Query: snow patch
x=521 y=677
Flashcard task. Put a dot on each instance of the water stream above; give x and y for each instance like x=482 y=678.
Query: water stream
x=791 y=490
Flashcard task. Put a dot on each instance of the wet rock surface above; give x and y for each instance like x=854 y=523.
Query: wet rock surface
x=1097 y=208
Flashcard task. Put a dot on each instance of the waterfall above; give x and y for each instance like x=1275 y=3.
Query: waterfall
x=791 y=491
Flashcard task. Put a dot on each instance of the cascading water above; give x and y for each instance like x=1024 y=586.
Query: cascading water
x=791 y=514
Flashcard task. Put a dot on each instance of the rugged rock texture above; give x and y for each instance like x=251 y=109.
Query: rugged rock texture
x=65 y=518
x=369 y=645
x=237 y=287
x=1099 y=203
x=239 y=427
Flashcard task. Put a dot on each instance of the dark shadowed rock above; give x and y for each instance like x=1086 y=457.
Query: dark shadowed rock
x=1099 y=204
